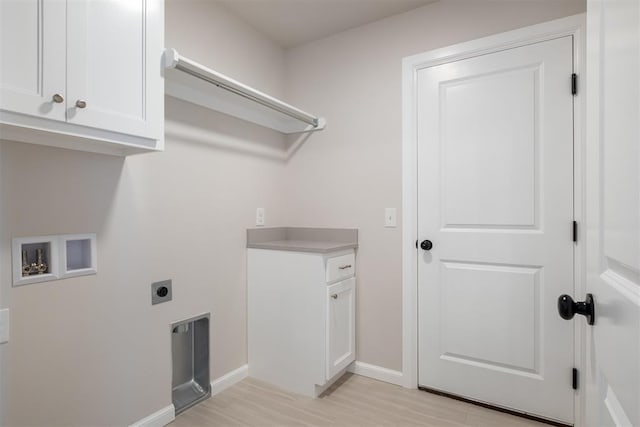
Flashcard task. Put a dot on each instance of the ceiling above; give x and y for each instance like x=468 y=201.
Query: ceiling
x=291 y=23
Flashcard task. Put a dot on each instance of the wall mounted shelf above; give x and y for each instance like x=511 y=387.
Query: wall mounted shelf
x=186 y=79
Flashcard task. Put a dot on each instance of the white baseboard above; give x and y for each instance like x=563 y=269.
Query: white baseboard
x=166 y=415
x=377 y=373
x=158 y=419
x=229 y=379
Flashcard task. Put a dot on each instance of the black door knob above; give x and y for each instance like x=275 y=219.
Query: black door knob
x=567 y=308
x=426 y=245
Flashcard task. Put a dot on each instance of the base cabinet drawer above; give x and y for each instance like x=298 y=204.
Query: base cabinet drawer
x=340 y=267
x=341 y=318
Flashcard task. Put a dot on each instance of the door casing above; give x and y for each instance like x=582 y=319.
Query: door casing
x=573 y=26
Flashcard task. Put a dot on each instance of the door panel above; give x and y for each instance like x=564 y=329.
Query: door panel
x=613 y=209
x=474 y=136
x=495 y=195
x=503 y=335
x=33 y=57
x=112 y=73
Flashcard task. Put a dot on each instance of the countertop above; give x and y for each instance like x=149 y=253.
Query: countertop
x=299 y=239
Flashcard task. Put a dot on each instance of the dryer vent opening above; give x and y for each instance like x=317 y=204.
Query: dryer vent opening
x=190 y=361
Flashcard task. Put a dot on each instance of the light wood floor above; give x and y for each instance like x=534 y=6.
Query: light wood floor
x=353 y=401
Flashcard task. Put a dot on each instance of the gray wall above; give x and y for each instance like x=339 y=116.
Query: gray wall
x=92 y=350
x=351 y=171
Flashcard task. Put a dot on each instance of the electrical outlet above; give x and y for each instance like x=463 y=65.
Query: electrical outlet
x=260 y=216
x=390 y=217
x=161 y=292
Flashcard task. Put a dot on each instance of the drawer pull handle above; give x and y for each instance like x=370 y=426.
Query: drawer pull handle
x=81 y=103
x=57 y=98
x=334 y=296
x=344 y=267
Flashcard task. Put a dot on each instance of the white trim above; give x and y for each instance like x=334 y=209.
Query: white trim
x=52 y=258
x=166 y=415
x=376 y=372
x=229 y=379
x=322 y=388
x=615 y=409
x=184 y=80
x=573 y=26
x=92 y=268
x=579 y=209
x=36 y=130
x=409 y=227
x=56 y=258
x=160 y=418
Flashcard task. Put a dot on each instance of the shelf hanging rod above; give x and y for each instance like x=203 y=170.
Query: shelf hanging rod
x=174 y=60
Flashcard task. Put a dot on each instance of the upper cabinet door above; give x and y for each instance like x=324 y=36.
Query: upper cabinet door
x=32 y=57
x=113 y=74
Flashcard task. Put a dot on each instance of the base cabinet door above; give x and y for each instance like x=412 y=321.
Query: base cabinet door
x=341 y=317
x=33 y=57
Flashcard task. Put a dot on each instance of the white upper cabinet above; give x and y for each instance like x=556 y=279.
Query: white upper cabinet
x=83 y=74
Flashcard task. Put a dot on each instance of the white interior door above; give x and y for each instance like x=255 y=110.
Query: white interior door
x=495 y=197
x=613 y=212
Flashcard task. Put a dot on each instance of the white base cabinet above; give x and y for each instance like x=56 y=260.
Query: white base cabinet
x=83 y=74
x=301 y=314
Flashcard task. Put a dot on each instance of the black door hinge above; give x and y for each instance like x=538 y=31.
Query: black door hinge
x=575 y=231
x=574 y=84
x=574 y=379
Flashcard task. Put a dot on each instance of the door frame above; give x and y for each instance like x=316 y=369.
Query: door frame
x=569 y=26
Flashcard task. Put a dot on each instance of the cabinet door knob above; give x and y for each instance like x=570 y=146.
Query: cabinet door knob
x=334 y=296
x=57 y=98
x=81 y=104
